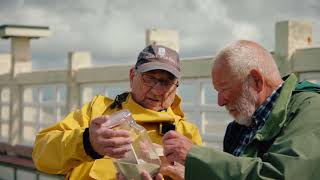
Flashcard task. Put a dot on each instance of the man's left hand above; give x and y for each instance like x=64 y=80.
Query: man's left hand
x=176 y=147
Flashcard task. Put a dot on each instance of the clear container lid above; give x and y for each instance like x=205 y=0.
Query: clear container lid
x=117 y=118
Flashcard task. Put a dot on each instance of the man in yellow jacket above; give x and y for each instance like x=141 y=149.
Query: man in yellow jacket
x=81 y=148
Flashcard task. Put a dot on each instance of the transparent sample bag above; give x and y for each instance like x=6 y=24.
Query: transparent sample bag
x=143 y=156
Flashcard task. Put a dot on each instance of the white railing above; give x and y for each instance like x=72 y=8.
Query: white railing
x=46 y=97
x=42 y=98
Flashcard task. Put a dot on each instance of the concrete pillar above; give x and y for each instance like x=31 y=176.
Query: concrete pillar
x=289 y=36
x=15 y=114
x=21 y=55
x=76 y=61
x=167 y=38
x=20 y=62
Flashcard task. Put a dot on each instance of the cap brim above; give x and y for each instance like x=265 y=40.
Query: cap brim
x=157 y=65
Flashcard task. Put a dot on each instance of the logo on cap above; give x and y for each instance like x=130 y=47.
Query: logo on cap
x=162 y=51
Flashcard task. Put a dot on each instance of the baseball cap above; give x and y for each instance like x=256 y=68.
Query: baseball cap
x=158 y=57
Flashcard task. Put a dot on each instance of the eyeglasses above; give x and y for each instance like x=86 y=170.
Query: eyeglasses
x=151 y=81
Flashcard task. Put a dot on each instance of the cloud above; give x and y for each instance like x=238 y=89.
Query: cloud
x=245 y=31
x=114 y=31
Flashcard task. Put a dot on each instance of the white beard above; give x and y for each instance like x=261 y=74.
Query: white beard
x=245 y=105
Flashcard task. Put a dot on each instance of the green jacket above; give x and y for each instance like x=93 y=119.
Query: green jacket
x=294 y=123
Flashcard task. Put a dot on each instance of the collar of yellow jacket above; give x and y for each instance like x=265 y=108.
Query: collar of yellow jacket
x=143 y=115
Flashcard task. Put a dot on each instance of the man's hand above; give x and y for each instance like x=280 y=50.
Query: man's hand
x=176 y=147
x=175 y=171
x=144 y=175
x=106 y=141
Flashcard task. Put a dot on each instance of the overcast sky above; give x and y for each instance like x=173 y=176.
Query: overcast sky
x=114 y=30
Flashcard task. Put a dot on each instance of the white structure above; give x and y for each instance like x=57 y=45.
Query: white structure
x=20 y=44
x=30 y=101
x=167 y=38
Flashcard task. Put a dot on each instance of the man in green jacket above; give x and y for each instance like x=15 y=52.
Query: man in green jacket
x=276 y=131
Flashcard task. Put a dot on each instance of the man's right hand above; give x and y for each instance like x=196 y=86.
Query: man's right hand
x=144 y=176
x=106 y=141
x=175 y=171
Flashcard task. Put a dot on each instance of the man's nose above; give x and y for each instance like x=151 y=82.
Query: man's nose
x=222 y=101
x=159 y=89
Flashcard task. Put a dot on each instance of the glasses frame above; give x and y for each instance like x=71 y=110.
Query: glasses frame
x=154 y=81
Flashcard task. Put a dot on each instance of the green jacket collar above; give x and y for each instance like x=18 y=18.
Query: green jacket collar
x=278 y=115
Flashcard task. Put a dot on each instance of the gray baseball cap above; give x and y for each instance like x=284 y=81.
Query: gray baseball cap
x=158 y=57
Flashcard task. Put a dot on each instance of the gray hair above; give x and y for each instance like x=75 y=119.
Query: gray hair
x=243 y=56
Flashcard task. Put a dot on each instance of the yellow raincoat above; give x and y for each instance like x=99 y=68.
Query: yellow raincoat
x=59 y=148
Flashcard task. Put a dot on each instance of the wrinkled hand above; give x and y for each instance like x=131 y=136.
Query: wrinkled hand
x=175 y=171
x=106 y=141
x=144 y=175
x=176 y=147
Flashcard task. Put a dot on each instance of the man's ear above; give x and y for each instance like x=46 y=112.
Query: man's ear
x=131 y=75
x=258 y=80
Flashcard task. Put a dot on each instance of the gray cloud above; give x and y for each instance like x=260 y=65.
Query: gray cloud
x=114 y=31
